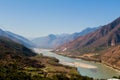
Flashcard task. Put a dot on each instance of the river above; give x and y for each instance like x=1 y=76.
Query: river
x=85 y=68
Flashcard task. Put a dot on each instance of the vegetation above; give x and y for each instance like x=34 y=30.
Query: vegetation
x=116 y=77
x=20 y=63
x=11 y=71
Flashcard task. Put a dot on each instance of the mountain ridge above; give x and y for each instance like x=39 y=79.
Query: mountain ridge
x=102 y=37
x=53 y=41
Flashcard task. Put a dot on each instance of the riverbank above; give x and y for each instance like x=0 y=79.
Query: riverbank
x=76 y=64
x=114 y=68
x=90 y=59
x=86 y=58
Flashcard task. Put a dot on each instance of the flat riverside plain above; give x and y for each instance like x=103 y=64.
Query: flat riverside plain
x=77 y=64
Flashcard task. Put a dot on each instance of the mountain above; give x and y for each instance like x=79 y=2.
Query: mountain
x=53 y=41
x=102 y=45
x=17 y=38
x=105 y=37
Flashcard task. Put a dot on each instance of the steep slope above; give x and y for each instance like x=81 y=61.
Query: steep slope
x=11 y=47
x=111 y=57
x=14 y=53
x=107 y=36
x=53 y=41
x=20 y=39
x=17 y=38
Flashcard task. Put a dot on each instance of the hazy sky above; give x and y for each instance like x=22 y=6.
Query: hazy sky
x=33 y=18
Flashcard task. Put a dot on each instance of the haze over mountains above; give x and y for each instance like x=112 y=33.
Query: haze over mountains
x=17 y=38
x=52 y=41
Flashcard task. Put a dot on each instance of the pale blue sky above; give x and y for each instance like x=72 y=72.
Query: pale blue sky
x=34 y=18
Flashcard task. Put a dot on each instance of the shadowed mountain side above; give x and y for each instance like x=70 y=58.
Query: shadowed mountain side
x=17 y=38
x=8 y=46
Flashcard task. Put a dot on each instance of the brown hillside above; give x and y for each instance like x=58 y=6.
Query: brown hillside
x=111 y=57
x=108 y=35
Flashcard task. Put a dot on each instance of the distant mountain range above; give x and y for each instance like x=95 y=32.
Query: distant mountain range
x=108 y=35
x=53 y=41
x=17 y=38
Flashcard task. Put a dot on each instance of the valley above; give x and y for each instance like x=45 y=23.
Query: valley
x=59 y=40
x=93 y=53
x=17 y=62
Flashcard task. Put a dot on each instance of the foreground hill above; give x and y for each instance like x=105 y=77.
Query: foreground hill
x=14 y=53
x=17 y=62
x=53 y=41
x=8 y=46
